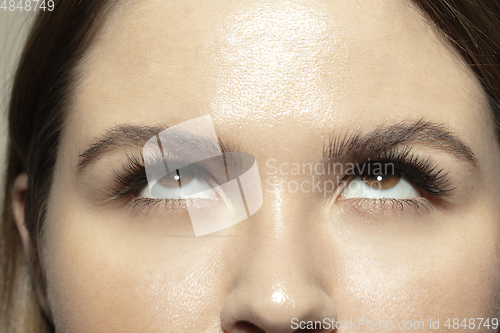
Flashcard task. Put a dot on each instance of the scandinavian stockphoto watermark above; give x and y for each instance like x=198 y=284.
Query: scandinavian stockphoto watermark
x=366 y=324
x=187 y=161
x=325 y=178
x=190 y=151
x=355 y=324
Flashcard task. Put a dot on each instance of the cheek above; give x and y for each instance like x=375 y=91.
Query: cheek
x=446 y=267
x=105 y=275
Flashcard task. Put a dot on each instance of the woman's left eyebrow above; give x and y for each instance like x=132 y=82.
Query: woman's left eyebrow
x=357 y=147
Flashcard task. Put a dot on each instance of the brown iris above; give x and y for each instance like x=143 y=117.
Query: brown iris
x=382 y=181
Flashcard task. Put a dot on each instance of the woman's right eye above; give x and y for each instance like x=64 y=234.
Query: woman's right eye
x=189 y=184
x=393 y=186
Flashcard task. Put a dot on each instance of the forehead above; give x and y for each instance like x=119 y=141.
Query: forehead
x=274 y=64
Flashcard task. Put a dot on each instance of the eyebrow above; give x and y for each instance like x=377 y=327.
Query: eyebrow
x=131 y=136
x=346 y=148
x=357 y=146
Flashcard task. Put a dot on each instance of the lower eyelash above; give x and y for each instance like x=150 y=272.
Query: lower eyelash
x=145 y=203
x=391 y=204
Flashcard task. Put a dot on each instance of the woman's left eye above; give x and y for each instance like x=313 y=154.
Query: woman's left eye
x=380 y=185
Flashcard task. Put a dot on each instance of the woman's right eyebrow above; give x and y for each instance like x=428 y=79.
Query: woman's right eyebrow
x=133 y=136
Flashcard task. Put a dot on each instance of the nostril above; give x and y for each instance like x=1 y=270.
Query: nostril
x=245 y=327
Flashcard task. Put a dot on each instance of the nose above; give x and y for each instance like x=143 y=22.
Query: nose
x=277 y=310
x=278 y=284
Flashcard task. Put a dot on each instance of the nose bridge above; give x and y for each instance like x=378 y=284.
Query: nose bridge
x=278 y=234
x=275 y=279
x=281 y=238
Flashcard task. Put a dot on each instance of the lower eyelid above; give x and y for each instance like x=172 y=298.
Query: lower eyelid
x=388 y=205
x=171 y=204
x=148 y=203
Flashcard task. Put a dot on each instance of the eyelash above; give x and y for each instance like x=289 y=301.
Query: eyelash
x=129 y=180
x=431 y=179
x=428 y=177
x=132 y=177
x=416 y=203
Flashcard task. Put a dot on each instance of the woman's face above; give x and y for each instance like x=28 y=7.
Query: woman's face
x=288 y=82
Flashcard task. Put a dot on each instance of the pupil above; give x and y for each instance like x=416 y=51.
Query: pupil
x=381 y=181
x=174 y=180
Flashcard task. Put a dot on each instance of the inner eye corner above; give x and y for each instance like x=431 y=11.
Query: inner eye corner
x=341 y=187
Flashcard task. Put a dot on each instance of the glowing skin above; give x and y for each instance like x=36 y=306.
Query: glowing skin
x=278 y=77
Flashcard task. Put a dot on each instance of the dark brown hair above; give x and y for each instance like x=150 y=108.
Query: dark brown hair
x=473 y=27
x=41 y=94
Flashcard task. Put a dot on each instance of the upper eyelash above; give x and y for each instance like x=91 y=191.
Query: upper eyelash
x=428 y=177
x=127 y=180
x=132 y=177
